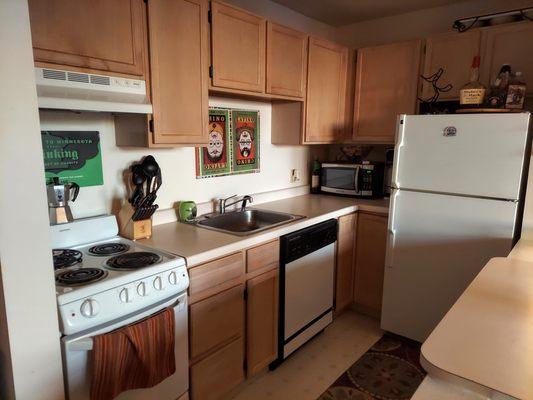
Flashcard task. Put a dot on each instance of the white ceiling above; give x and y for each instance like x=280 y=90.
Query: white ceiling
x=344 y=12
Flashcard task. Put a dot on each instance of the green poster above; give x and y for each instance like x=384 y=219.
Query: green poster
x=73 y=156
x=245 y=138
x=215 y=158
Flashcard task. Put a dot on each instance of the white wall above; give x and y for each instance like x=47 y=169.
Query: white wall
x=285 y=16
x=419 y=24
x=178 y=164
x=26 y=261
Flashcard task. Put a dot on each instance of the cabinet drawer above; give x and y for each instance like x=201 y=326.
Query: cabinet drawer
x=262 y=256
x=227 y=270
x=217 y=374
x=216 y=320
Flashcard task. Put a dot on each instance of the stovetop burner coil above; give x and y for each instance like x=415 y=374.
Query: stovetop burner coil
x=136 y=260
x=109 y=249
x=81 y=276
x=66 y=258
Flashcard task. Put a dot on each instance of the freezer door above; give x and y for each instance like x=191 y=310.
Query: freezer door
x=437 y=244
x=479 y=155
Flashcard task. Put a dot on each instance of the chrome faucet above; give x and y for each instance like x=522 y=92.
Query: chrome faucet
x=222 y=203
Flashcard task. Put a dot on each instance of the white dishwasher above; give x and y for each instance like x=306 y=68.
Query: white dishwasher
x=307 y=265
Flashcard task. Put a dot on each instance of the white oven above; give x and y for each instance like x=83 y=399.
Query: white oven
x=76 y=350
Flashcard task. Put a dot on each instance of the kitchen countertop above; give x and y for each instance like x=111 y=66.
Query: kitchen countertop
x=485 y=342
x=198 y=245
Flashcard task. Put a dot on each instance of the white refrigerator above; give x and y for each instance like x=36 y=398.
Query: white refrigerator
x=457 y=200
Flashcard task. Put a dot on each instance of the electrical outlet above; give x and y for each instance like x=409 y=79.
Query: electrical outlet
x=295 y=176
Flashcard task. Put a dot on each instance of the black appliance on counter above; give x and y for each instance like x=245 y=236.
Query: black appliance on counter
x=363 y=180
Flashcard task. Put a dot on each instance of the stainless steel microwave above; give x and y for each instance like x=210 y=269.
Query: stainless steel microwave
x=357 y=180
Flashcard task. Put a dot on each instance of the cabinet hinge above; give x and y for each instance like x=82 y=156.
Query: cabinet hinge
x=209 y=16
x=210 y=71
x=151 y=125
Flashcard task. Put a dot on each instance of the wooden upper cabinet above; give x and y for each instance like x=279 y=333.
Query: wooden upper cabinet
x=238 y=41
x=370 y=262
x=345 y=261
x=326 y=92
x=179 y=58
x=286 y=70
x=508 y=44
x=453 y=52
x=87 y=34
x=386 y=84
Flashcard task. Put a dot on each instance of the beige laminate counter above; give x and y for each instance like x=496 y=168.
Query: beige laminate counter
x=198 y=245
x=485 y=342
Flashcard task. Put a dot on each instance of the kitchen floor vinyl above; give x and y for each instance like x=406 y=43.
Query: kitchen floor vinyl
x=310 y=371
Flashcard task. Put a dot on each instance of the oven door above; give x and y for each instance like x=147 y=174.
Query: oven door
x=76 y=351
x=341 y=179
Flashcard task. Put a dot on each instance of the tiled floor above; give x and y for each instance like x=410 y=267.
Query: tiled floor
x=316 y=365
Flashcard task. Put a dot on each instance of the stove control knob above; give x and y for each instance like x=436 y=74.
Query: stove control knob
x=158 y=283
x=173 y=278
x=141 y=289
x=90 y=308
x=124 y=296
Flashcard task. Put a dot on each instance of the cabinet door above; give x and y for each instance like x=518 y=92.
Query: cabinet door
x=179 y=70
x=345 y=262
x=262 y=321
x=386 y=85
x=216 y=320
x=98 y=35
x=508 y=44
x=326 y=85
x=286 y=61
x=238 y=41
x=218 y=373
x=370 y=262
x=453 y=52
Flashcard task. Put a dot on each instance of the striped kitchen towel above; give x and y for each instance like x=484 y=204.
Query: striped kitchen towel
x=136 y=356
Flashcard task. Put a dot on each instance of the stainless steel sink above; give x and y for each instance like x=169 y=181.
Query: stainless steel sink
x=246 y=222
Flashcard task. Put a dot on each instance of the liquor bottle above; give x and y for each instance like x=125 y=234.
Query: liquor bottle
x=516 y=92
x=315 y=177
x=498 y=91
x=473 y=93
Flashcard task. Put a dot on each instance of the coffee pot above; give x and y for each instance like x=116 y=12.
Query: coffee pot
x=59 y=196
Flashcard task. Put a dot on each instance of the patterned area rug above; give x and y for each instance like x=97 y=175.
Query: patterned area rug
x=390 y=370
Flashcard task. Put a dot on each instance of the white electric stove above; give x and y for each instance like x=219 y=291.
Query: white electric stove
x=105 y=282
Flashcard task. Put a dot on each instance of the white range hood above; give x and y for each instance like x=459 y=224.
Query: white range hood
x=68 y=90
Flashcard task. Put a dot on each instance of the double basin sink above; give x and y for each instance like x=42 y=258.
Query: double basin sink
x=246 y=222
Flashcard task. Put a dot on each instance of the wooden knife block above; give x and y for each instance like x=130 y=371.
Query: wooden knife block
x=130 y=229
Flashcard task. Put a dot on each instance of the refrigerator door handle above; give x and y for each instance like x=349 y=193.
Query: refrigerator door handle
x=391 y=232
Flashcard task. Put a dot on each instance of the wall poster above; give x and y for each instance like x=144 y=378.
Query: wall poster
x=214 y=160
x=73 y=156
x=233 y=146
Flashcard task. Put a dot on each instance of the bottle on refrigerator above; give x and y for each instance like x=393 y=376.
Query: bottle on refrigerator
x=315 y=177
x=498 y=91
x=516 y=92
x=473 y=93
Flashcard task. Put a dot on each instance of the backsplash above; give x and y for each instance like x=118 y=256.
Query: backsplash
x=178 y=165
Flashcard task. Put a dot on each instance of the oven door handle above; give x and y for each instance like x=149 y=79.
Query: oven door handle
x=85 y=344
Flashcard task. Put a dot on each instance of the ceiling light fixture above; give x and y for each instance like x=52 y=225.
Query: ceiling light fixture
x=464 y=24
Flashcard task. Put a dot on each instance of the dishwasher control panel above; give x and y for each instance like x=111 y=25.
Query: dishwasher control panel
x=305 y=241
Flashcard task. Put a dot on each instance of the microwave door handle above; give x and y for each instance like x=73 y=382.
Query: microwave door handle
x=356 y=180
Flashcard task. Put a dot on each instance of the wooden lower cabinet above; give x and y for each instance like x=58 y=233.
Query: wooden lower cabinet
x=371 y=246
x=218 y=373
x=261 y=321
x=344 y=275
x=216 y=320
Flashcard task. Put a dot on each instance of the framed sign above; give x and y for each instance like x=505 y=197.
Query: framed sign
x=73 y=156
x=215 y=158
x=245 y=136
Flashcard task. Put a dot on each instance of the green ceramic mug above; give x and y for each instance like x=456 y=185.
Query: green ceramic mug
x=187 y=211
